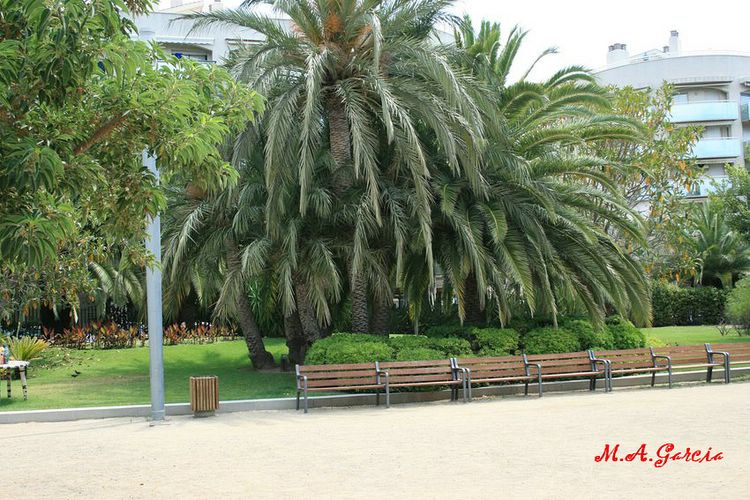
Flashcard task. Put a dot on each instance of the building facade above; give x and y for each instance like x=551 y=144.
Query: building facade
x=211 y=44
x=710 y=89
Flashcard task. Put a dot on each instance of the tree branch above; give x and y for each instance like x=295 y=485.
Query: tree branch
x=101 y=133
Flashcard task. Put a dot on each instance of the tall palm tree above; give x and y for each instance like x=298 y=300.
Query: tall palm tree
x=528 y=234
x=342 y=76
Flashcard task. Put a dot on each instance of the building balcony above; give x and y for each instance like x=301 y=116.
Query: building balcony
x=706 y=186
x=745 y=112
x=725 y=147
x=704 y=111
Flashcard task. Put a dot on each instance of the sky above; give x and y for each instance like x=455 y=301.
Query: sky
x=583 y=29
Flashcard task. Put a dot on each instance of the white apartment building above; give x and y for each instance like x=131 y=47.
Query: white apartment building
x=711 y=90
x=211 y=44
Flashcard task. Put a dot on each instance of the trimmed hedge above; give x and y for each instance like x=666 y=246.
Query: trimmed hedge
x=549 y=340
x=495 y=341
x=442 y=331
x=419 y=353
x=588 y=336
x=401 y=342
x=452 y=347
x=677 y=306
x=342 y=348
x=625 y=334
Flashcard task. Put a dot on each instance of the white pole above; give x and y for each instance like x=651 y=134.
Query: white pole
x=154 y=307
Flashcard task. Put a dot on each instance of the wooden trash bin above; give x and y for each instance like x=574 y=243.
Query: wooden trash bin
x=204 y=395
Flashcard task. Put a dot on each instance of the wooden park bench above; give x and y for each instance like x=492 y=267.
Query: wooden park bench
x=634 y=361
x=326 y=378
x=440 y=372
x=694 y=356
x=570 y=365
x=500 y=369
x=733 y=354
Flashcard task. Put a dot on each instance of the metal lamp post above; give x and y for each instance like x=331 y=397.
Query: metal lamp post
x=154 y=307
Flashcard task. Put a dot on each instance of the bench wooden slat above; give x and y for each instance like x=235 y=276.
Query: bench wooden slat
x=328 y=368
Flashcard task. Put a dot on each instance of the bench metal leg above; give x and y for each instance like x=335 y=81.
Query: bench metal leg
x=377 y=398
x=526 y=388
x=539 y=381
x=669 y=375
x=22 y=372
x=727 y=373
x=387 y=392
x=592 y=383
x=298 y=393
x=305 y=389
x=10 y=376
x=653 y=378
x=709 y=374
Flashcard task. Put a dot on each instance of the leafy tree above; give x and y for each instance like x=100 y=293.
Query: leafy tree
x=357 y=79
x=733 y=198
x=738 y=306
x=79 y=102
x=654 y=173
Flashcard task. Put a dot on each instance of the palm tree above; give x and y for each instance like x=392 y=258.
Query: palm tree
x=353 y=77
x=205 y=238
x=527 y=234
x=722 y=254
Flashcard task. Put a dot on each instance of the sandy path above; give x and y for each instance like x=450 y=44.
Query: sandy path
x=511 y=447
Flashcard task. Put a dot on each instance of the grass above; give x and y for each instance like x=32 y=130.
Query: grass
x=121 y=376
x=687 y=335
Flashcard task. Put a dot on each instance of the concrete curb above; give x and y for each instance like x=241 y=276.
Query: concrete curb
x=174 y=409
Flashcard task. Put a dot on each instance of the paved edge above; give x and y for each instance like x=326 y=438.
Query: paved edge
x=174 y=409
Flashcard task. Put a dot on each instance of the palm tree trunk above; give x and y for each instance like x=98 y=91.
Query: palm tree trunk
x=341 y=145
x=253 y=338
x=381 y=316
x=473 y=313
x=309 y=330
x=341 y=152
x=295 y=339
x=360 y=312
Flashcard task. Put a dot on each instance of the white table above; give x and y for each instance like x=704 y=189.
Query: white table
x=21 y=365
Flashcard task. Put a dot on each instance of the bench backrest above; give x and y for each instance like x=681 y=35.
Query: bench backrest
x=684 y=354
x=624 y=359
x=738 y=351
x=493 y=367
x=352 y=375
x=438 y=370
x=568 y=362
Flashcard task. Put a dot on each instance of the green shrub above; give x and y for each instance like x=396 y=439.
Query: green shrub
x=652 y=341
x=419 y=353
x=452 y=347
x=625 y=335
x=495 y=341
x=349 y=348
x=588 y=336
x=26 y=348
x=442 y=331
x=678 y=306
x=550 y=340
x=738 y=306
x=401 y=342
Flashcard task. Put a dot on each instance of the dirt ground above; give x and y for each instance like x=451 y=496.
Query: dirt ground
x=512 y=447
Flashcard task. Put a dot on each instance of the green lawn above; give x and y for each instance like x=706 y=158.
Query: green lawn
x=687 y=335
x=120 y=376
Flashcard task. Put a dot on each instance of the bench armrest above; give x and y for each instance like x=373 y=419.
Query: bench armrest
x=605 y=362
x=528 y=365
x=659 y=356
x=720 y=353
